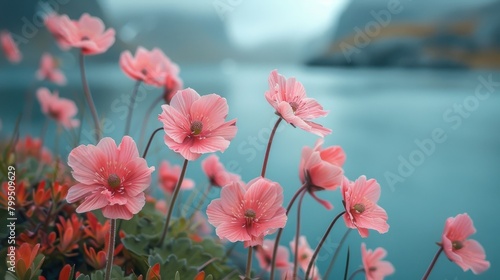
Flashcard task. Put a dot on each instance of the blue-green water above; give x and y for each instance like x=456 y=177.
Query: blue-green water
x=378 y=116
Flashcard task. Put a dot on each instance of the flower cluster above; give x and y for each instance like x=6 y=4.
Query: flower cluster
x=95 y=214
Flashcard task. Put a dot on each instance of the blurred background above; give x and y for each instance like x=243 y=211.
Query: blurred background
x=392 y=73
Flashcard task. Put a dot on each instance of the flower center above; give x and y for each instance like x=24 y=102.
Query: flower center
x=457 y=245
x=144 y=72
x=249 y=217
x=304 y=256
x=294 y=106
x=359 y=208
x=54 y=114
x=114 y=181
x=250 y=214
x=85 y=38
x=196 y=127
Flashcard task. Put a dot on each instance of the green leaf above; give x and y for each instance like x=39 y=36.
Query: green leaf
x=171 y=266
x=136 y=244
x=83 y=277
x=177 y=276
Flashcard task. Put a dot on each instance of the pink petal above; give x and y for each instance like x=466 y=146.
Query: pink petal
x=227 y=130
x=117 y=212
x=209 y=145
x=85 y=162
x=232 y=232
x=92 y=202
x=211 y=110
x=183 y=148
x=135 y=204
x=473 y=256
x=127 y=150
x=183 y=101
x=176 y=125
x=80 y=191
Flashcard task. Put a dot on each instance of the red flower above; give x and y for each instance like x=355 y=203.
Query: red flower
x=70 y=233
x=95 y=260
x=96 y=230
x=41 y=196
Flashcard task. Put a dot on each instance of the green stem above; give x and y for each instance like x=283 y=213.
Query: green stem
x=88 y=97
x=335 y=255
x=249 y=264
x=149 y=142
x=297 y=235
x=280 y=231
x=111 y=248
x=358 y=271
x=268 y=149
x=323 y=239
x=146 y=117
x=131 y=107
x=174 y=198
x=201 y=202
x=431 y=266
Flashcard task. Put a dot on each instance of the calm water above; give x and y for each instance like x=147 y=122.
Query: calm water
x=380 y=117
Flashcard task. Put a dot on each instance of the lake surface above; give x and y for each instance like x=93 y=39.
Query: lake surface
x=430 y=138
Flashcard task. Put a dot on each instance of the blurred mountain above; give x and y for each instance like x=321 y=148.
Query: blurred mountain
x=410 y=34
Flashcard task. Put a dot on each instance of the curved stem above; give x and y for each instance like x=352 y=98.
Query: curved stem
x=280 y=231
x=131 y=107
x=202 y=201
x=359 y=270
x=88 y=97
x=146 y=117
x=268 y=149
x=335 y=255
x=323 y=239
x=111 y=248
x=171 y=207
x=249 y=264
x=431 y=266
x=297 y=235
x=149 y=142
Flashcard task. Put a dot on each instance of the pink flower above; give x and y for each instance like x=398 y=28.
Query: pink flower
x=87 y=33
x=54 y=24
x=375 y=267
x=248 y=214
x=196 y=125
x=61 y=109
x=264 y=255
x=110 y=178
x=150 y=67
x=288 y=97
x=161 y=206
x=466 y=253
x=216 y=172
x=9 y=47
x=360 y=201
x=49 y=70
x=169 y=175
x=321 y=169
x=304 y=254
